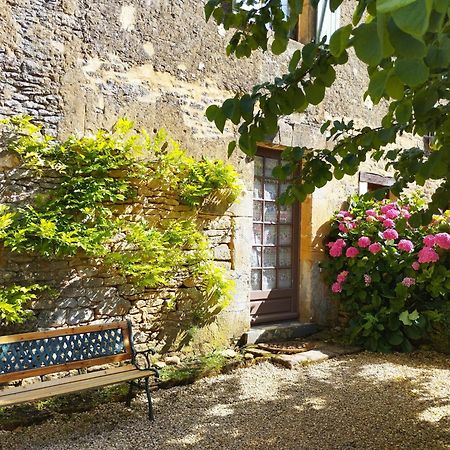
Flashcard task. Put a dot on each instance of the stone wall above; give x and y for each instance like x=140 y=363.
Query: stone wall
x=85 y=290
x=78 y=65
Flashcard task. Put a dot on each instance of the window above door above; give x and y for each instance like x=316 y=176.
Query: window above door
x=316 y=23
x=313 y=24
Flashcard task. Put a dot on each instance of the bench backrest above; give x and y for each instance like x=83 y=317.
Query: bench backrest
x=43 y=352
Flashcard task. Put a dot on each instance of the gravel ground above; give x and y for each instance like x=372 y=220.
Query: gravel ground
x=362 y=401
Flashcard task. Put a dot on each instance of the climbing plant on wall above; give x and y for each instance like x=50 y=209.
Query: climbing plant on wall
x=94 y=174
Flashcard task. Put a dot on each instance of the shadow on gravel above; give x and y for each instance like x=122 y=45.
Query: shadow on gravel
x=360 y=402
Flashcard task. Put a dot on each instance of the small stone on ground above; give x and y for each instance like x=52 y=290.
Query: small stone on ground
x=360 y=401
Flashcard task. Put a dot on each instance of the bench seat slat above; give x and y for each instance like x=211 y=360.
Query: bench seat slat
x=68 y=385
x=66 y=379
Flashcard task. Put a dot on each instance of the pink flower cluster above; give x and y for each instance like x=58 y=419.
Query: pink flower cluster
x=441 y=240
x=336 y=247
x=390 y=206
x=346 y=221
x=375 y=248
x=364 y=242
x=406 y=245
x=390 y=234
x=388 y=223
x=408 y=282
x=352 y=252
x=428 y=254
x=337 y=285
x=386 y=217
x=389 y=212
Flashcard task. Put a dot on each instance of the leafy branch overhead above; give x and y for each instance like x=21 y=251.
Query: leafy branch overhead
x=405 y=45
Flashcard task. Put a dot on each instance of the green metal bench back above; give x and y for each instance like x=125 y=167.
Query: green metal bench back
x=39 y=353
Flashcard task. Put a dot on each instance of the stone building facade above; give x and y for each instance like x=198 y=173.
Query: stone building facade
x=78 y=65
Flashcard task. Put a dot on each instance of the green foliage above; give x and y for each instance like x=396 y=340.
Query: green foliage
x=76 y=215
x=394 y=293
x=153 y=258
x=406 y=47
x=194 y=180
x=15 y=301
x=201 y=367
x=92 y=175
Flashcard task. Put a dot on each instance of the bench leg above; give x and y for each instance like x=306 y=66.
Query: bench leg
x=149 y=399
x=130 y=394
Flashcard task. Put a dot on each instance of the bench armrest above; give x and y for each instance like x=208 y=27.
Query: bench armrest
x=144 y=362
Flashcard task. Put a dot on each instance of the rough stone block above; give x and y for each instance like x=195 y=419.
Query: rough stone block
x=222 y=252
x=83 y=301
x=130 y=289
x=77 y=316
x=115 y=306
x=53 y=318
x=93 y=282
x=114 y=281
x=67 y=303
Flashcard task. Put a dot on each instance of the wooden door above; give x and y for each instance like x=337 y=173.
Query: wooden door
x=275 y=249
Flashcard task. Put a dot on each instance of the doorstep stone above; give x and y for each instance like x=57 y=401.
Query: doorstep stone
x=319 y=354
x=291 y=361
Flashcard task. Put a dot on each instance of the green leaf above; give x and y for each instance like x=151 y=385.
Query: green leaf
x=220 y=120
x=358 y=13
x=439 y=55
x=339 y=40
x=243 y=51
x=395 y=88
x=315 y=92
x=367 y=44
x=387 y=6
x=270 y=123
x=412 y=71
x=424 y=100
x=231 y=147
x=211 y=112
x=401 y=291
x=247 y=105
x=395 y=338
x=406 y=346
x=404 y=318
x=228 y=107
x=328 y=76
x=334 y=4
x=338 y=173
x=403 y=112
x=414 y=18
x=209 y=8
x=308 y=53
x=377 y=84
x=404 y=44
x=279 y=45
x=296 y=98
x=325 y=126
x=293 y=63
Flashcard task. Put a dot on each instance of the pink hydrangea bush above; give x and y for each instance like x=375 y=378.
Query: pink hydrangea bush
x=390 y=276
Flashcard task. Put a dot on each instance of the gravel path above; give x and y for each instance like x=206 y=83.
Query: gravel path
x=362 y=401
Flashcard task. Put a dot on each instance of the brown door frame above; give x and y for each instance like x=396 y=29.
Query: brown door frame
x=267 y=150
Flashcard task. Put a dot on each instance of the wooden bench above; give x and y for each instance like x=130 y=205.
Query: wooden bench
x=76 y=348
